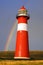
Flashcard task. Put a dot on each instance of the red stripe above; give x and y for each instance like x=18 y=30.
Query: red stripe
x=22 y=44
x=22 y=19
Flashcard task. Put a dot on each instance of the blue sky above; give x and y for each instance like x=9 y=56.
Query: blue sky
x=8 y=11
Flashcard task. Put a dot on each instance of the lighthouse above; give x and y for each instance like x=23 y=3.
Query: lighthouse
x=22 y=39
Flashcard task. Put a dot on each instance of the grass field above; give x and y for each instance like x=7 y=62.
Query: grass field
x=6 y=58
x=21 y=62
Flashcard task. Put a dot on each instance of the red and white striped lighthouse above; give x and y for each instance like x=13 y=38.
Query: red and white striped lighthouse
x=22 y=41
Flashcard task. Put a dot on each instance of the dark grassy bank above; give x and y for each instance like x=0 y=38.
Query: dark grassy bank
x=34 y=55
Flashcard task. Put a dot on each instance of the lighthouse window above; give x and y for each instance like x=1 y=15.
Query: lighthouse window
x=22 y=12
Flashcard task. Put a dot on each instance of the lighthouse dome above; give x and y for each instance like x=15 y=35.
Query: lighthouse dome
x=23 y=12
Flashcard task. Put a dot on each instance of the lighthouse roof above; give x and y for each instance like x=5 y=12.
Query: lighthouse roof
x=22 y=8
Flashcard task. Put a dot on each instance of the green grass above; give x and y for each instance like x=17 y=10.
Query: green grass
x=34 y=55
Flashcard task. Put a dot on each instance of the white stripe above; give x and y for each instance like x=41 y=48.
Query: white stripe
x=21 y=57
x=22 y=26
x=22 y=14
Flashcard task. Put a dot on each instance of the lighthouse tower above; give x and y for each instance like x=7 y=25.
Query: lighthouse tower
x=22 y=40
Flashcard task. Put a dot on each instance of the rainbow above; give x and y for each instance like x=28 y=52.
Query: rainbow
x=10 y=36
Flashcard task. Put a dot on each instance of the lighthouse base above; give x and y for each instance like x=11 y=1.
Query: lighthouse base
x=24 y=58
